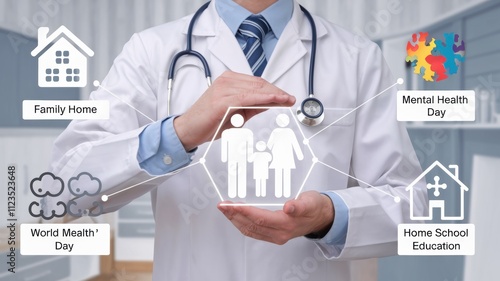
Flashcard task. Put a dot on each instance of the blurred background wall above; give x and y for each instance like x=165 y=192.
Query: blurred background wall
x=106 y=25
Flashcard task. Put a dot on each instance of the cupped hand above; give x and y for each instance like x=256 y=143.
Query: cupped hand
x=311 y=212
x=199 y=124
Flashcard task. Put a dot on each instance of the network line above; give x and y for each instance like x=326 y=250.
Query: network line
x=306 y=142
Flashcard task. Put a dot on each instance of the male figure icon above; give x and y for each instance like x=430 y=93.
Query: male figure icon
x=237 y=147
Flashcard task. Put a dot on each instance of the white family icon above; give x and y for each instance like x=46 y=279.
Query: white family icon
x=237 y=150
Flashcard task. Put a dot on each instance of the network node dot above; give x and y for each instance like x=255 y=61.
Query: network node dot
x=202 y=160
x=397 y=199
x=306 y=142
x=315 y=160
x=104 y=198
x=401 y=81
x=96 y=83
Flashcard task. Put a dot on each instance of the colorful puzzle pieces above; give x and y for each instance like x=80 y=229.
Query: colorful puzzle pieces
x=435 y=59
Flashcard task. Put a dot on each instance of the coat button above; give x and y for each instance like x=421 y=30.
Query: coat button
x=167 y=159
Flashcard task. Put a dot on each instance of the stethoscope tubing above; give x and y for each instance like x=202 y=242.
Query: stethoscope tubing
x=312 y=61
x=190 y=52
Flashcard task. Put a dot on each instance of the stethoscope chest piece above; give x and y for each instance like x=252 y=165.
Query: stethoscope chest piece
x=311 y=112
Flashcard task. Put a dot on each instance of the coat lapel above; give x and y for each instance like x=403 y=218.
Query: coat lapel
x=224 y=45
x=290 y=48
x=226 y=49
x=288 y=51
x=221 y=42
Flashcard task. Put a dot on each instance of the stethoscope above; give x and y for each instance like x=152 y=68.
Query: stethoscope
x=311 y=110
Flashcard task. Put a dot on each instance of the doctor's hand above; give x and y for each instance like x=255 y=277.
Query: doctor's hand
x=311 y=212
x=199 y=124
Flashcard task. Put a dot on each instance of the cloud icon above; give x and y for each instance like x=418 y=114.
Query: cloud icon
x=57 y=211
x=76 y=211
x=84 y=184
x=47 y=185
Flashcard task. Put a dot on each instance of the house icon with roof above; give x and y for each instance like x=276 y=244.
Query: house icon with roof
x=62 y=58
x=437 y=188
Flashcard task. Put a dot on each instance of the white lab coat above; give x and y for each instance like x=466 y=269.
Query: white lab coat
x=193 y=240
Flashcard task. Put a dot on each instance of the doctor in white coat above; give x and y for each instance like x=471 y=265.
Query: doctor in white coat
x=193 y=239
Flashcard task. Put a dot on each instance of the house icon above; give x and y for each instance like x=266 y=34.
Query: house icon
x=62 y=59
x=437 y=187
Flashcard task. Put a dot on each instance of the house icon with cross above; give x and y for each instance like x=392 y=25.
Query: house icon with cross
x=62 y=58
x=436 y=188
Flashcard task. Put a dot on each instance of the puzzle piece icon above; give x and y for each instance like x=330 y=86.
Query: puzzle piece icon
x=447 y=50
x=458 y=48
x=437 y=59
x=417 y=52
x=414 y=41
x=437 y=65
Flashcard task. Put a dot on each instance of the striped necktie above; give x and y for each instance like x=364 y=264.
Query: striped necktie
x=253 y=30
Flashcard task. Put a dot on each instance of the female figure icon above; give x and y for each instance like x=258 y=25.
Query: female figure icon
x=284 y=146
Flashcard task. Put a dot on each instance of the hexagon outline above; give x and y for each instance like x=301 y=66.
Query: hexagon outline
x=202 y=160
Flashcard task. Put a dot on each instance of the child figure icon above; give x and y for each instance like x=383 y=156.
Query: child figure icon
x=260 y=161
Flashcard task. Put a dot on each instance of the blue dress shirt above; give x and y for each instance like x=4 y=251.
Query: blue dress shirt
x=161 y=151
